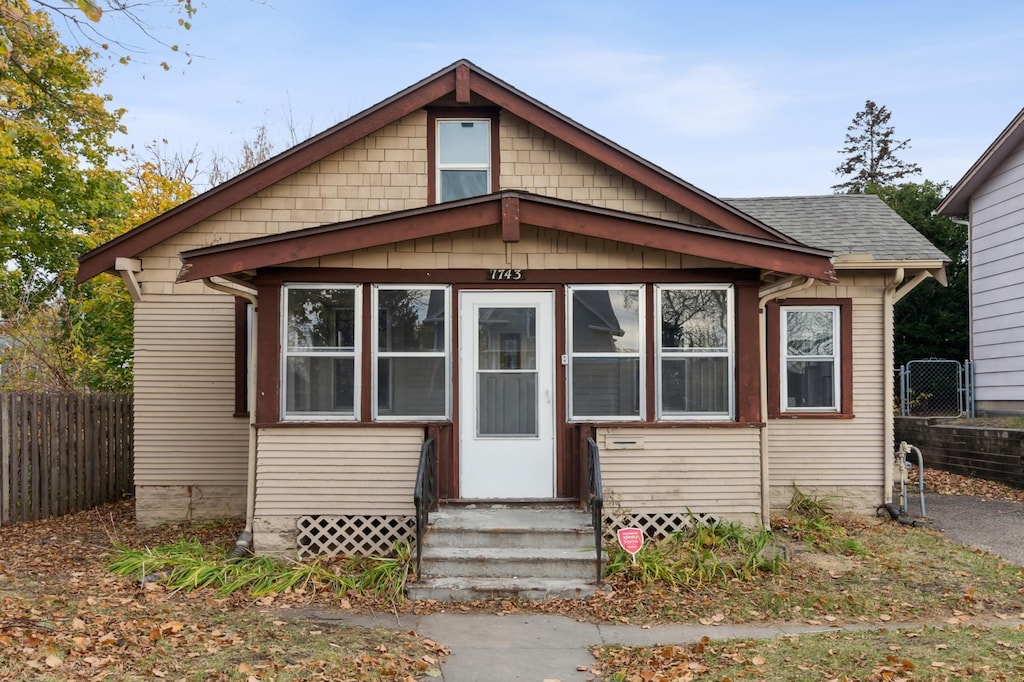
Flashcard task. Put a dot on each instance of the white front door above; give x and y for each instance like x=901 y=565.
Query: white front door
x=506 y=394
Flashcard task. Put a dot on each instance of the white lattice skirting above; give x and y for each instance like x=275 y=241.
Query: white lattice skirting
x=352 y=535
x=655 y=525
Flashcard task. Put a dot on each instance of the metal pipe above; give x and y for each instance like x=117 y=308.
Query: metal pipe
x=243 y=545
x=888 y=383
x=772 y=292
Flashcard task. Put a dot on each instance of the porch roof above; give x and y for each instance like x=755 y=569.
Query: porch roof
x=509 y=209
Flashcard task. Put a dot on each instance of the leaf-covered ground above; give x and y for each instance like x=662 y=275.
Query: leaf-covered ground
x=63 y=616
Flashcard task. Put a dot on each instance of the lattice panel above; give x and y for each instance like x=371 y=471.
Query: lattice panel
x=655 y=525
x=352 y=535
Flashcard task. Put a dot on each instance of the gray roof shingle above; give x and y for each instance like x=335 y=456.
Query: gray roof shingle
x=843 y=224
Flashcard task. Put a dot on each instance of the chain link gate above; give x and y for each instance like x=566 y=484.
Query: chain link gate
x=937 y=388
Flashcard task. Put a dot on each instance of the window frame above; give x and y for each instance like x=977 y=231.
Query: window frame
x=640 y=355
x=376 y=354
x=777 y=407
x=446 y=114
x=659 y=354
x=355 y=354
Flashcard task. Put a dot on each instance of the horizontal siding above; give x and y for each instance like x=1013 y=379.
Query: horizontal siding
x=334 y=471
x=841 y=452
x=997 y=281
x=714 y=470
x=185 y=433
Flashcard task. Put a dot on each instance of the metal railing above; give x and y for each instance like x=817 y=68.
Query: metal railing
x=595 y=499
x=425 y=496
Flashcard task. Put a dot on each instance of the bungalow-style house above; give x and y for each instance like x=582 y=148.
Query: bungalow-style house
x=991 y=198
x=464 y=264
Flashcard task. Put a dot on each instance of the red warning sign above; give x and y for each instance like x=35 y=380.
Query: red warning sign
x=631 y=540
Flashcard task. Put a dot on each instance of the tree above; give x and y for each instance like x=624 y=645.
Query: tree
x=870 y=150
x=55 y=139
x=932 y=320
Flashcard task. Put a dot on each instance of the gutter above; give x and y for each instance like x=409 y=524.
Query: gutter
x=244 y=546
x=787 y=287
x=889 y=297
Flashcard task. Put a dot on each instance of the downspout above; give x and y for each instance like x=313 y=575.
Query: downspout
x=243 y=546
x=779 y=290
x=888 y=382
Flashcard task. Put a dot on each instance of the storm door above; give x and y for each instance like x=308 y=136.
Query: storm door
x=506 y=394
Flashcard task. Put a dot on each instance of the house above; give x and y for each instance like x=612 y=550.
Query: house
x=464 y=264
x=991 y=198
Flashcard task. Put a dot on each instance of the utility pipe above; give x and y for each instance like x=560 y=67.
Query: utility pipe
x=888 y=385
x=243 y=546
x=778 y=290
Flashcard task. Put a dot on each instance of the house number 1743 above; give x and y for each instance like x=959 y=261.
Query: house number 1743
x=510 y=275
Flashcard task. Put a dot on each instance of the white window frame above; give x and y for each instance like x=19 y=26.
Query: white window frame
x=835 y=357
x=439 y=167
x=355 y=354
x=730 y=353
x=446 y=353
x=640 y=355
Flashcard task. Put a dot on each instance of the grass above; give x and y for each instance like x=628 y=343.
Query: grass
x=699 y=555
x=934 y=653
x=188 y=565
x=841 y=571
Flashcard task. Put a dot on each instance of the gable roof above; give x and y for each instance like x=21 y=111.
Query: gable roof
x=508 y=209
x=957 y=202
x=461 y=80
x=844 y=224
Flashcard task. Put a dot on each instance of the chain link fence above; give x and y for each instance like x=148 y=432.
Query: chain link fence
x=936 y=388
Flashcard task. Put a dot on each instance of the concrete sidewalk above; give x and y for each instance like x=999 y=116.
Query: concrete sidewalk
x=491 y=648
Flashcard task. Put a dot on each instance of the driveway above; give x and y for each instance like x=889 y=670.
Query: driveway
x=995 y=526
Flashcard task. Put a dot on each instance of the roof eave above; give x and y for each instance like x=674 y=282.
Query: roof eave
x=547 y=212
x=957 y=201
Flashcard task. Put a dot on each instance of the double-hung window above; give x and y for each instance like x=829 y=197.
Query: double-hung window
x=411 y=365
x=606 y=339
x=810 y=358
x=463 y=158
x=321 y=344
x=696 y=353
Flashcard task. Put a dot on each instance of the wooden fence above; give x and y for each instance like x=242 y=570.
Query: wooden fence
x=63 y=453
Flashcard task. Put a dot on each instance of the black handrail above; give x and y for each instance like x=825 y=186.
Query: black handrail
x=595 y=499
x=424 y=496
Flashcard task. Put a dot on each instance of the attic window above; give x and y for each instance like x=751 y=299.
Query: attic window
x=463 y=158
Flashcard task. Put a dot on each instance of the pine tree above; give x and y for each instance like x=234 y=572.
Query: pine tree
x=870 y=150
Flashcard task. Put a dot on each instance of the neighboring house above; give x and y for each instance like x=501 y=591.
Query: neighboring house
x=463 y=262
x=991 y=196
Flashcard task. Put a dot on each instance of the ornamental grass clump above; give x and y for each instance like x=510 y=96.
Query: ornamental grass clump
x=701 y=554
x=811 y=520
x=187 y=565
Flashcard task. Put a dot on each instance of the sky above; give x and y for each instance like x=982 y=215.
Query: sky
x=740 y=97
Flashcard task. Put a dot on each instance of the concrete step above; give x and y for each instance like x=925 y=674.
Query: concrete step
x=480 y=551
x=497 y=562
x=462 y=589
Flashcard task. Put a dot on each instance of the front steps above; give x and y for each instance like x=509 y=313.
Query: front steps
x=489 y=551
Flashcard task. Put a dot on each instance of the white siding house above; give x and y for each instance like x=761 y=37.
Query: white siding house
x=991 y=197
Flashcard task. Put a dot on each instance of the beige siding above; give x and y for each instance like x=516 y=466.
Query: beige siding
x=387 y=171
x=337 y=470
x=185 y=433
x=384 y=172
x=537 y=249
x=704 y=470
x=842 y=458
x=534 y=161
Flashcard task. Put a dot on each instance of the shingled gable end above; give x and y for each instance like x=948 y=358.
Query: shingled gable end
x=461 y=262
